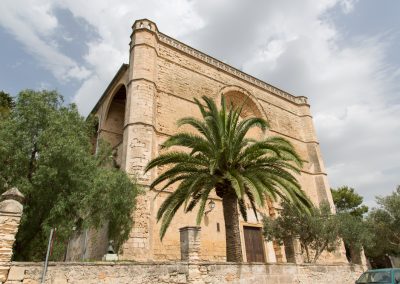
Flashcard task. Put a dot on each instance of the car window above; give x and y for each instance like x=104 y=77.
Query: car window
x=397 y=276
x=375 y=277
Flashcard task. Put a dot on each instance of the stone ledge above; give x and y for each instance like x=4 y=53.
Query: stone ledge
x=125 y=262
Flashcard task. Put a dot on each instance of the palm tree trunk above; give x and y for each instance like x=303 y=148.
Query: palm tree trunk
x=232 y=229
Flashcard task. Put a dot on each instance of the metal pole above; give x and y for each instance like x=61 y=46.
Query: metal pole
x=47 y=256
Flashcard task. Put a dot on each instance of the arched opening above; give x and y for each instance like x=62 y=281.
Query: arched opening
x=113 y=128
x=239 y=98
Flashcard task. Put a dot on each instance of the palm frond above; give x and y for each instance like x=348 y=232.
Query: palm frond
x=178 y=170
x=242 y=209
x=255 y=188
x=243 y=128
x=236 y=182
x=200 y=126
x=252 y=203
x=192 y=141
x=203 y=202
x=175 y=158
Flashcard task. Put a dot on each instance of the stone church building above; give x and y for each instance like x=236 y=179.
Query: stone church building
x=139 y=110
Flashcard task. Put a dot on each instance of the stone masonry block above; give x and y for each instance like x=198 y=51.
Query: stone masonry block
x=16 y=273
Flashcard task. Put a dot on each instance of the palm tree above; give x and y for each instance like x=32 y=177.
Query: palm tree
x=224 y=160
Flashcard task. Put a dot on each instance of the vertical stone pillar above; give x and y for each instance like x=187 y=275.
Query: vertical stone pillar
x=315 y=165
x=293 y=251
x=271 y=256
x=289 y=250
x=10 y=216
x=190 y=243
x=358 y=256
x=320 y=192
x=298 y=256
x=139 y=139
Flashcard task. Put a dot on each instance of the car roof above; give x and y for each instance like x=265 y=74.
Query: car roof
x=382 y=269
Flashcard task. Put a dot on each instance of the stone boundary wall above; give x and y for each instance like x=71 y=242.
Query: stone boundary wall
x=10 y=216
x=181 y=272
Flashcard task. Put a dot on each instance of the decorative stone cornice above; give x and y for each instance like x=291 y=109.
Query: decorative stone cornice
x=229 y=69
x=152 y=27
x=13 y=194
x=11 y=201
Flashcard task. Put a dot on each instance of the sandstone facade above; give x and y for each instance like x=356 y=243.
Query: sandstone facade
x=139 y=110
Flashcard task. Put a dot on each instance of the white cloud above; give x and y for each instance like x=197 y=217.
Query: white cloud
x=113 y=23
x=33 y=24
x=362 y=148
x=347 y=5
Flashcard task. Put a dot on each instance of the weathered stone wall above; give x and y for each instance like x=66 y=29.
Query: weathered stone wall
x=212 y=247
x=10 y=217
x=8 y=228
x=162 y=79
x=9 y=223
x=182 y=272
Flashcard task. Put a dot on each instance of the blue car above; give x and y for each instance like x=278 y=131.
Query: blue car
x=383 y=276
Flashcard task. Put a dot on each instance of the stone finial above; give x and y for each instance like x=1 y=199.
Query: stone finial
x=14 y=194
x=190 y=243
x=11 y=201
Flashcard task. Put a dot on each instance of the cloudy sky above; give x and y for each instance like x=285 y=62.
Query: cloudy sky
x=342 y=54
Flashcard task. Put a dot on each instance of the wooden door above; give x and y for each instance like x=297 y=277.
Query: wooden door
x=254 y=244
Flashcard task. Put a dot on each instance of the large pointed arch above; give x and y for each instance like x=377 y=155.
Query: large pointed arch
x=114 y=118
x=238 y=96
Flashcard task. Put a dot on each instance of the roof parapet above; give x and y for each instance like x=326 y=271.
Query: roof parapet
x=151 y=26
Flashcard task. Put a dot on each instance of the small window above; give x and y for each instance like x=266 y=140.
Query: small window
x=218 y=229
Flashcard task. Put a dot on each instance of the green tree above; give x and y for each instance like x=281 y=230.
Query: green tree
x=6 y=104
x=385 y=222
x=353 y=229
x=45 y=151
x=221 y=158
x=317 y=231
x=356 y=234
x=346 y=200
